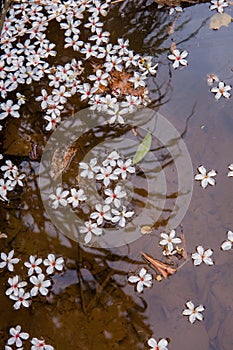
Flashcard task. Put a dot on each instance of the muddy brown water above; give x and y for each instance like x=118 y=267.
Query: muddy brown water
x=91 y=304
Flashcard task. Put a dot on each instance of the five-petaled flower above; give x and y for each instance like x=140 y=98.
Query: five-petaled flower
x=41 y=285
x=160 y=345
x=178 y=58
x=53 y=263
x=90 y=228
x=8 y=260
x=205 y=177
x=59 y=198
x=193 y=313
x=38 y=344
x=142 y=279
x=17 y=336
x=33 y=265
x=169 y=239
x=221 y=90
x=202 y=255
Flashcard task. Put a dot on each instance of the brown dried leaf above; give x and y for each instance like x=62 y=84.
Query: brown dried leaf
x=119 y=82
x=61 y=160
x=164 y=269
x=219 y=20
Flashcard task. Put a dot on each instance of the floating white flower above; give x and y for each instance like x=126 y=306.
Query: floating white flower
x=114 y=196
x=124 y=168
x=143 y=279
x=227 y=245
x=89 y=170
x=41 y=285
x=230 y=173
x=221 y=90
x=38 y=344
x=106 y=175
x=53 y=263
x=194 y=313
x=90 y=228
x=218 y=5
x=111 y=159
x=59 y=198
x=205 y=178
x=8 y=260
x=178 y=58
x=76 y=197
x=202 y=256
x=169 y=239
x=17 y=336
x=22 y=298
x=33 y=265
x=103 y=212
x=160 y=345
x=120 y=215
x=15 y=285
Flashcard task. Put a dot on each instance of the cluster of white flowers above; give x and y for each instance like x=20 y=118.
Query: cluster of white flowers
x=37 y=278
x=24 y=62
x=11 y=178
x=112 y=169
x=19 y=338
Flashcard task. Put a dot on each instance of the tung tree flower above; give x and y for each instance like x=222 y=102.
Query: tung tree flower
x=41 y=285
x=142 y=279
x=160 y=345
x=205 y=178
x=17 y=336
x=202 y=256
x=53 y=263
x=193 y=313
x=221 y=90
x=8 y=260
x=178 y=58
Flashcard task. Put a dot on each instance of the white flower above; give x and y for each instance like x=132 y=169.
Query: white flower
x=100 y=78
x=9 y=169
x=15 y=285
x=221 y=90
x=4 y=187
x=119 y=216
x=204 y=177
x=138 y=80
x=111 y=159
x=123 y=168
x=9 y=109
x=53 y=121
x=101 y=213
x=192 y=312
x=160 y=345
x=21 y=299
x=53 y=263
x=175 y=9
x=230 y=173
x=41 y=285
x=76 y=197
x=33 y=265
x=169 y=239
x=59 y=198
x=178 y=58
x=202 y=256
x=114 y=196
x=116 y=114
x=218 y=5
x=90 y=228
x=16 y=179
x=106 y=175
x=227 y=245
x=143 y=279
x=8 y=260
x=38 y=344
x=89 y=169
x=17 y=336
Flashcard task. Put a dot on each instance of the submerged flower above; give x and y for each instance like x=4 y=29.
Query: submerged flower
x=205 y=178
x=8 y=260
x=53 y=263
x=202 y=256
x=227 y=245
x=192 y=312
x=160 y=345
x=17 y=336
x=221 y=90
x=178 y=58
x=143 y=279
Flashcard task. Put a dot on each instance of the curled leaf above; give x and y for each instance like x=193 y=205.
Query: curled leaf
x=219 y=20
x=164 y=269
x=143 y=148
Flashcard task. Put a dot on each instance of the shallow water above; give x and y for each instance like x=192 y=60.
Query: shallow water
x=91 y=305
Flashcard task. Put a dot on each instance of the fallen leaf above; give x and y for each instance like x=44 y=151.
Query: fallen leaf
x=219 y=20
x=164 y=269
x=61 y=159
x=146 y=230
x=143 y=148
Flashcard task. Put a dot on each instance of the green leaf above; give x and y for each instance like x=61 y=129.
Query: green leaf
x=143 y=148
